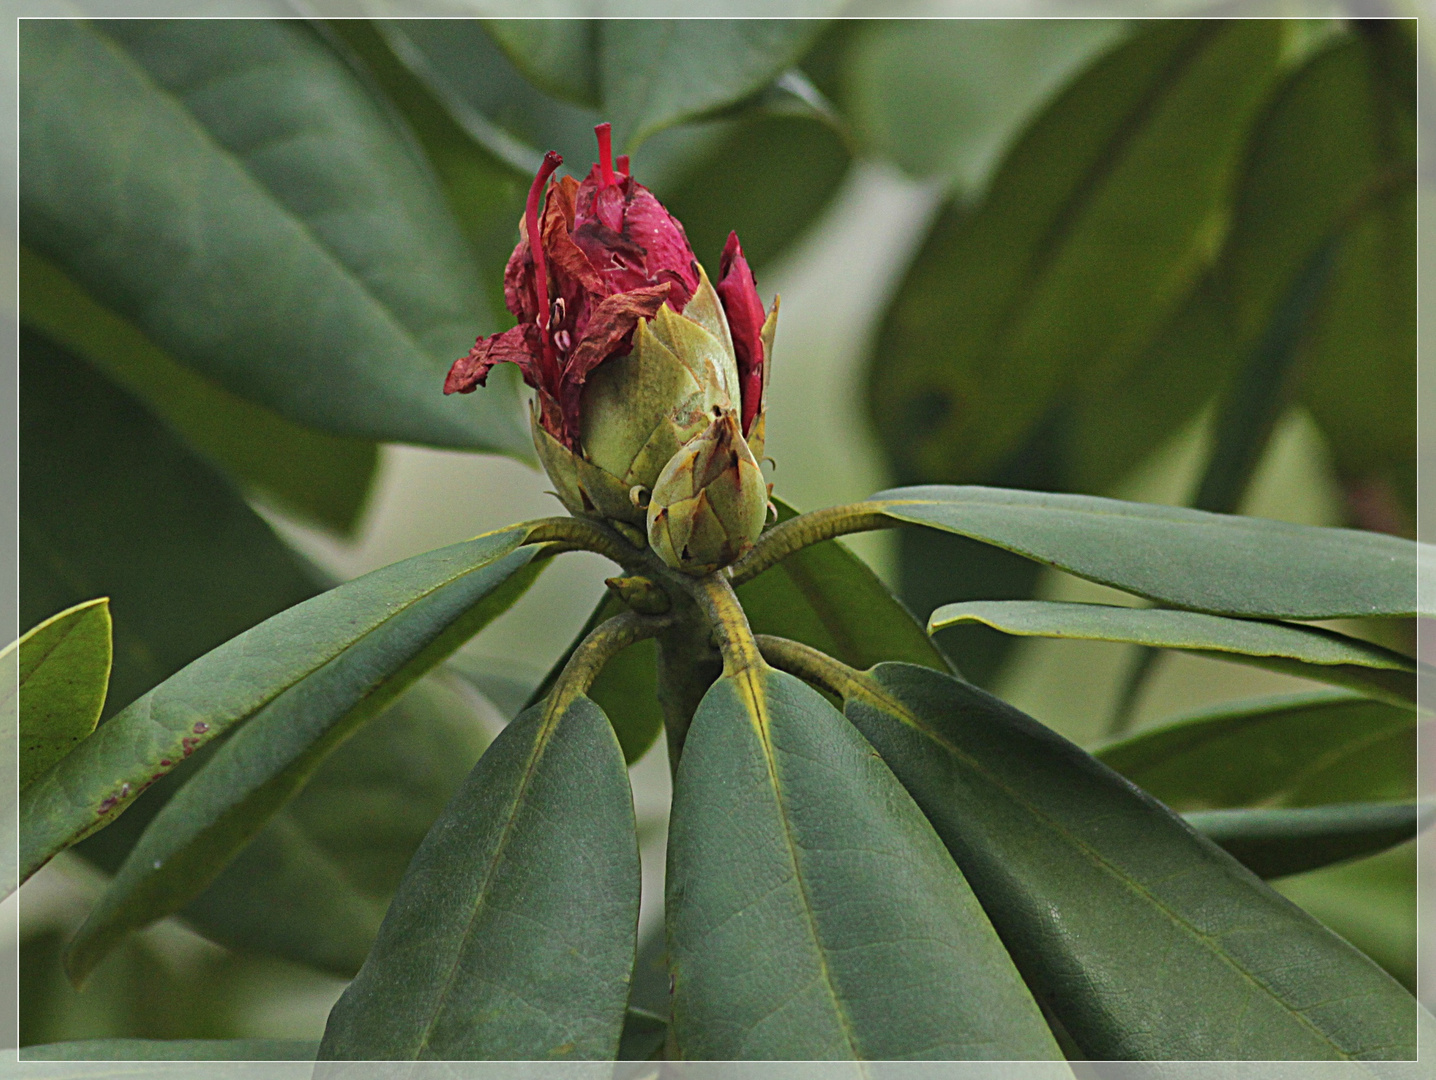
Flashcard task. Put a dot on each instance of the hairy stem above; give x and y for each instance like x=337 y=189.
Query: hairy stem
x=778 y=543
x=603 y=643
x=580 y=534
x=811 y=665
x=715 y=596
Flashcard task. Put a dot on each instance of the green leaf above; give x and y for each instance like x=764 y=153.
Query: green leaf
x=943 y=97
x=1116 y=419
x=95 y=783
x=1306 y=651
x=231 y=189
x=767 y=178
x=1095 y=228
x=1334 y=163
x=790 y=839
x=1088 y=880
x=1218 y=563
x=1295 y=750
x=658 y=72
x=172 y=1050
x=512 y=935
x=313 y=884
x=484 y=186
x=112 y=504
x=63 y=672
x=409 y=617
x=1276 y=842
x=316 y=476
x=560 y=56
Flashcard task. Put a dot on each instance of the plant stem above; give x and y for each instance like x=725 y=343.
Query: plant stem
x=811 y=665
x=781 y=541
x=581 y=534
x=715 y=596
x=688 y=664
x=603 y=643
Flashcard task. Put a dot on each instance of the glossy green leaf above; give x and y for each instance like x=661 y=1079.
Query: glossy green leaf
x=313 y=884
x=234 y=682
x=658 y=72
x=311 y=474
x=1295 y=750
x=418 y=612
x=63 y=672
x=1218 y=563
x=512 y=935
x=558 y=55
x=789 y=839
x=944 y=97
x=173 y=1050
x=1307 y=651
x=1095 y=227
x=288 y=245
x=1276 y=842
x=1088 y=880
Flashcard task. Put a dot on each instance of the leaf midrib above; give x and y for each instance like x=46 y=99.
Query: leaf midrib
x=541 y=739
x=753 y=686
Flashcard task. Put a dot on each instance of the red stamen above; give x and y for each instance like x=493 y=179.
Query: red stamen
x=621 y=164
x=551 y=161
x=605 y=153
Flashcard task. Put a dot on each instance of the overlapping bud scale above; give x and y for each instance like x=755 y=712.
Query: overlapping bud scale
x=650 y=382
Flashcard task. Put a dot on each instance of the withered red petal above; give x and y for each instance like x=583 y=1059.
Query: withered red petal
x=520 y=345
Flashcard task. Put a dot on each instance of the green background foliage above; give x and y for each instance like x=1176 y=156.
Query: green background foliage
x=1166 y=261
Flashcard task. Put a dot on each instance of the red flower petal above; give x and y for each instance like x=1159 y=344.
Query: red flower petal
x=520 y=345
x=739 y=295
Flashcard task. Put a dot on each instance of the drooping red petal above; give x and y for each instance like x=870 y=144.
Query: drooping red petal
x=609 y=329
x=567 y=257
x=519 y=345
x=738 y=293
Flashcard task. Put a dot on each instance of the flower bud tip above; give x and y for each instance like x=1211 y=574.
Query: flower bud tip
x=604 y=132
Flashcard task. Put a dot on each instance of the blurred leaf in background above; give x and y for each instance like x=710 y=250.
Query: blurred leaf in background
x=1094 y=227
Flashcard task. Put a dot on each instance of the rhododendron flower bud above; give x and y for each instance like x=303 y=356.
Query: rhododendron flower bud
x=710 y=501
x=630 y=348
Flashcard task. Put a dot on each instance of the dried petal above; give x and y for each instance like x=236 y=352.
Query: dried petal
x=519 y=345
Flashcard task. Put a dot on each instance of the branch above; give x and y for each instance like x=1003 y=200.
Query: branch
x=779 y=542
